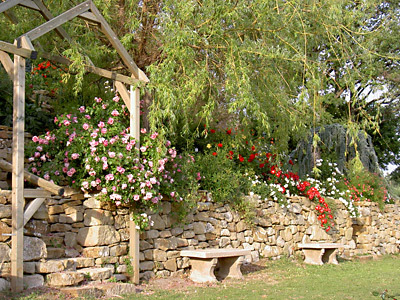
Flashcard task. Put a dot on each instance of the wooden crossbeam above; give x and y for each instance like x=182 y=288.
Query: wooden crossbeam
x=31 y=208
x=29 y=193
x=47 y=185
x=58 y=21
x=27 y=53
x=7 y=64
x=9 y=4
x=112 y=37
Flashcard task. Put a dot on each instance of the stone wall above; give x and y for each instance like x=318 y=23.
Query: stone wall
x=78 y=234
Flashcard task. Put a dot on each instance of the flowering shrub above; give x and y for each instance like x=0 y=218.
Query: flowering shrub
x=92 y=150
x=232 y=169
x=45 y=76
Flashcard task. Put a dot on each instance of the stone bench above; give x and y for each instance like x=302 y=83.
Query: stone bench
x=320 y=253
x=227 y=262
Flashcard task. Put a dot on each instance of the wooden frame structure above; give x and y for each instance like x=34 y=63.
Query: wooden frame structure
x=23 y=49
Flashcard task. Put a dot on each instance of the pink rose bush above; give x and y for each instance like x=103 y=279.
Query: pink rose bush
x=93 y=151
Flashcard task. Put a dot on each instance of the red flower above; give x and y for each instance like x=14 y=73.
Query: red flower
x=231 y=152
x=214 y=153
x=241 y=158
x=253 y=148
x=212 y=130
x=229 y=131
x=328 y=228
x=219 y=145
x=291 y=162
x=252 y=157
x=262 y=165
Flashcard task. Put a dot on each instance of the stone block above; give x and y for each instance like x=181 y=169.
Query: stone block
x=55 y=252
x=176 y=231
x=224 y=241
x=37 y=228
x=119 y=250
x=286 y=234
x=241 y=226
x=96 y=273
x=4 y=285
x=95 y=217
x=158 y=222
x=97 y=235
x=5 y=253
x=34 y=249
x=95 y=252
x=5 y=211
x=60 y=228
x=260 y=235
x=144 y=245
x=42 y=213
x=188 y=234
x=55 y=265
x=64 y=279
x=82 y=262
x=29 y=267
x=146 y=266
x=152 y=234
x=55 y=209
x=71 y=218
x=170 y=265
x=159 y=255
x=121 y=221
x=4 y=229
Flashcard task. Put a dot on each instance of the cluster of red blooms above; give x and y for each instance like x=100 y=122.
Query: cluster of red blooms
x=304 y=187
x=43 y=70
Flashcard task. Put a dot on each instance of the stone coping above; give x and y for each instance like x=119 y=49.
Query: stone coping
x=215 y=253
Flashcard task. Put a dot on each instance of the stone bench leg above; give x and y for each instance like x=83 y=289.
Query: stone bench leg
x=229 y=267
x=203 y=269
x=313 y=256
x=330 y=256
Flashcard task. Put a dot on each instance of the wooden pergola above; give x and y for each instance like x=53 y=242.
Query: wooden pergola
x=23 y=49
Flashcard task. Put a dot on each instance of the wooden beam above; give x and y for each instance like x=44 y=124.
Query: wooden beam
x=58 y=21
x=134 y=236
x=88 y=16
x=7 y=47
x=8 y=4
x=47 y=185
x=7 y=64
x=17 y=241
x=31 y=208
x=123 y=92
x=29 y=193
x=47 y=15
x=112 y=37
x=29 y=4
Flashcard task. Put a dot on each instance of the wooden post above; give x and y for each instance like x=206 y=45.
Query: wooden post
x=17 y=242
x=135 y=132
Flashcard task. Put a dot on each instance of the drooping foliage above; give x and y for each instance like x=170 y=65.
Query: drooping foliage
x=280 y=67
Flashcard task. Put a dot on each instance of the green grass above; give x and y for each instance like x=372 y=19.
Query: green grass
x=285 y=279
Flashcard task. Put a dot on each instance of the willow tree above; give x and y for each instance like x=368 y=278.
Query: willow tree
x=281 y=67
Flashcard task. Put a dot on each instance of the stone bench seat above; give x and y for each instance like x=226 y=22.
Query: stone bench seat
x=227 y=262
x=320 y=253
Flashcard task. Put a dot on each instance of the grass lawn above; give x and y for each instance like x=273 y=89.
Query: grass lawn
x=285 y=279
x=281 y=279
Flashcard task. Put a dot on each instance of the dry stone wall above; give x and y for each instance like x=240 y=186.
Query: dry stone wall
x=68 y=238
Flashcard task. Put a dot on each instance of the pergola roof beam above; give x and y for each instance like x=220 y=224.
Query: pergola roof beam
x=9 y=4
x=58 y=21
x=7 y=47
x=109 y=33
